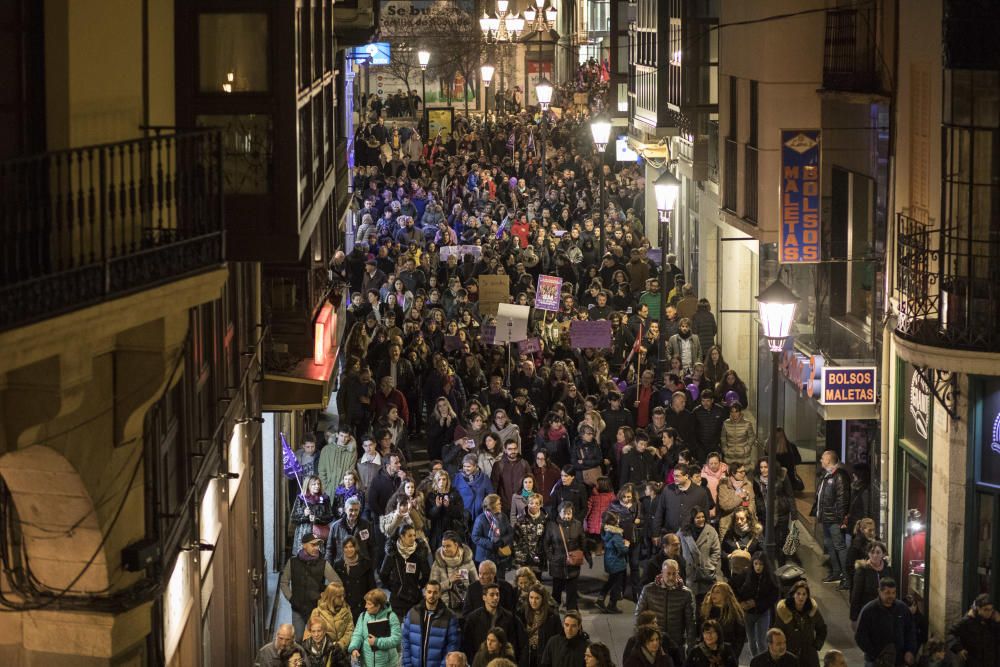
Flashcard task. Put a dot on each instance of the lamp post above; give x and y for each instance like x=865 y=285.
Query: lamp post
x=543 y=91
x=776 y=307
x=487 y=73
x=600 y=128
x=501 y=30
x=666 y=188
x=424 y=58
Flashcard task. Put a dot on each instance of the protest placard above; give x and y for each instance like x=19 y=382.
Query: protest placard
x=493 y=290
x=459 y=251
x=548 y=293
x=594 y=334
x=530 y=346
x=511 y=323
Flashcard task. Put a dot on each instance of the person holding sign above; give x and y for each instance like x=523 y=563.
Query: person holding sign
x=377 y=637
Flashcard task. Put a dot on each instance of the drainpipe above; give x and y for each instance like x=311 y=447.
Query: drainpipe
x=888 y=424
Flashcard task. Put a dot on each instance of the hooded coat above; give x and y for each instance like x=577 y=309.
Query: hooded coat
x=453 y=593
x=805 y=631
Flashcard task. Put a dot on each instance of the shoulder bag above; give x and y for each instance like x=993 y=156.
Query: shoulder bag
x=573 y=558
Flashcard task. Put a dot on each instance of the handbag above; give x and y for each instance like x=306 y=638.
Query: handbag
x=574 y=558
x=792 y=541
x=504 y=551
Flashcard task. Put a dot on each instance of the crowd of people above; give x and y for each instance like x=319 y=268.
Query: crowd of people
x=448 y=516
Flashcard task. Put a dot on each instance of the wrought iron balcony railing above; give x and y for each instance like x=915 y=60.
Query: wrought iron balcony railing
x=849 y=54
x=947 y=287
x=84 y=225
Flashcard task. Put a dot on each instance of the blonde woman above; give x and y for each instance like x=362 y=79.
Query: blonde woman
x=721 y=605
x=444 y=509
x=335 y=614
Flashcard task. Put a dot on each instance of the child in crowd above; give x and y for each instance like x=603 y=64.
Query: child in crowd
x=597 y=504
x=615 y=563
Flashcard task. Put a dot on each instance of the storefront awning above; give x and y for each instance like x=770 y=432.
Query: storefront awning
x=305 y=387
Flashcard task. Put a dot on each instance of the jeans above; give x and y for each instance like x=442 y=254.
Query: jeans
x=757 y=625
x=836 y=549
x=568 y=585
x=299 y=623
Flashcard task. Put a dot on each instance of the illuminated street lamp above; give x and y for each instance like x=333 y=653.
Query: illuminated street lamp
x=666 y=189
x=423 y=57
x=487 y=73
x=543 y=91
x=600 y=128
x=776 y=306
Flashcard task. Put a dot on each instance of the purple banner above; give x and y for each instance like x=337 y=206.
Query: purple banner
x=594 y=334
x=488 y=332
x=548 y=293
x=529 y=345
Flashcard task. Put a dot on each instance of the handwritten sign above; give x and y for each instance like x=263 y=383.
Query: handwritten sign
x=798 y=233
x=548 y=293
x=493 y=290
x=488 y=332
x=459 y=251
x=529 y=346
x=848 y=385
x=594 y=334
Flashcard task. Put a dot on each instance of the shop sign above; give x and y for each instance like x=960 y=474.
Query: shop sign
x=848 y=385
x=799 y=232
x=989 y=452
x=805 y=372
x=916 y=419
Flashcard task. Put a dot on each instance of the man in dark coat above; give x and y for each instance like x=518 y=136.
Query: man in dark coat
x=274 y=654
x=777 y=654
x=886 y=626
x=687 y=427
x=304 y=579
x=708 y=419
x=567 y=649
x=351 y=525
x=478 y=623
x=976 y=638
x=488 y=576
x=509 y=473
x=673 y=506
x=830 y=509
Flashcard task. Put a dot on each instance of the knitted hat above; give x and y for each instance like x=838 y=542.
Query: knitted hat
x=460 y=433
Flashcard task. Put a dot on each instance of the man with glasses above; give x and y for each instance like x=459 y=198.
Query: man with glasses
x=674 y=504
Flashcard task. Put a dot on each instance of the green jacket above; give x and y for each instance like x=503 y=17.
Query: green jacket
x=387 y=653
x=652 y=300
x=334 y=461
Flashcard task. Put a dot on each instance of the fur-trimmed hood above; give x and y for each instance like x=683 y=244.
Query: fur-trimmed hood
x=786 y=609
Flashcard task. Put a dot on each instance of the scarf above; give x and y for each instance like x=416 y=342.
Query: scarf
x=352 y=562
x=650 y=658
x=535 y=621
x=526 y=494
x=317 y=649
x=556 y=433
x=453 y=561
x=406 y=552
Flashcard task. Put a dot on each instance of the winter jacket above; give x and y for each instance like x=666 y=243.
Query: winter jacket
x=631 y=531
x=443 y=636
x=340 y=530
x=562 y=652
x=478 y=623
x=739 y=442
x=864 y=585
x=490 y=532
x=473 y=490
x=687 y=427
x=557 y=448
x=303 y=580
x=703 y=555
x=334 y=461
x=453 y=592
x=713 y=479
x=734 y=632
x=357 y=581
x=615 y=551
x=529 y=534
x=508 y=476
x=784 y=499
x=585 y=455
x=675 y=609
x=555 y=549
x=704 y=326
x=637 y=467
x=387 y=648
x=672 y=510
x=575 y=494
x=760 y=588
x=405 y=577
x=765 y=660
x=708 y=425
x=805 y=631
x=833 y=496
x=883 y=628
x=442 y=518
x=675 y=348
x=597 y=505
x=545 y=481
x=729 y=501
x=320 y=506
x=979 y=636
x=702 y=656
x=339 y=623
x=531 y=654
x=638 y=659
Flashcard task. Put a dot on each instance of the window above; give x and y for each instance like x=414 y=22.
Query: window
x=246 y=145
x=233 y=53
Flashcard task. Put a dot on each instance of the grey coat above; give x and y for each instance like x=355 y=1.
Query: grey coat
x=703 y=556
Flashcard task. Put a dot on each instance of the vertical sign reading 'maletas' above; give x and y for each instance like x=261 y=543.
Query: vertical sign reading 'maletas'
x=798 y=236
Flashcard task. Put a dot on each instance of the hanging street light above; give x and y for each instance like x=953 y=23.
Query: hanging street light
x=600 y=128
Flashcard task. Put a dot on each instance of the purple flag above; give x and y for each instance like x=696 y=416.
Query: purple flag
x=289 y=463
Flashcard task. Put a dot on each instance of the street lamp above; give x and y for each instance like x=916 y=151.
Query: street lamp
x=666 y=189
x=776 y=307
x=600 y=128
x=486 y=71
x=543 y=91
x=424 y=57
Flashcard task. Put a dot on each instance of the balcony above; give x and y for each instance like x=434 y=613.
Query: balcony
x=89 y=224
x=850 y=52
x=729 y=183
x=947 y=288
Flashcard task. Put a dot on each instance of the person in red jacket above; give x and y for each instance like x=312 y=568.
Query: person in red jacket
x=521 y=230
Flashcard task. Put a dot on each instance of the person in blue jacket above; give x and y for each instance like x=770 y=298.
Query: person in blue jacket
x=440 y=625
x=473 y=485
x=615 y=563
x=493 y=535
